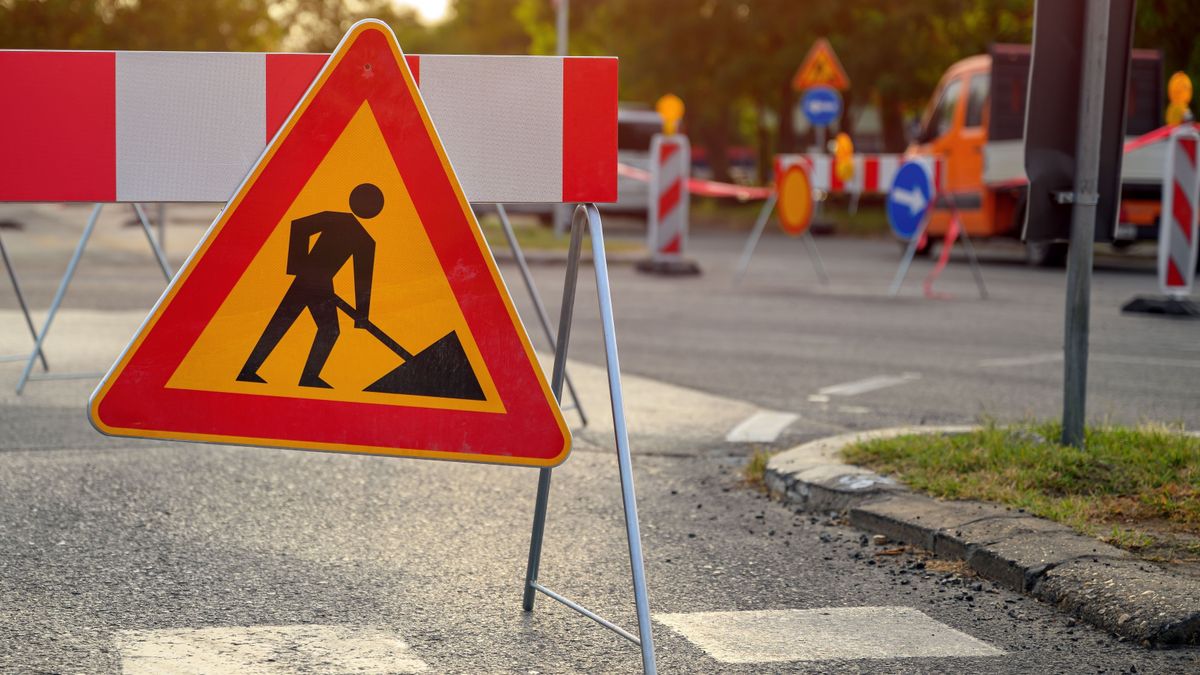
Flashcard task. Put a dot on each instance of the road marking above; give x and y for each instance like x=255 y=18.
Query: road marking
x=265 y=650
x=818 y=398
x=853 y=409
x=1056 y=357
x=763 y=426
x=771 y=636
x=868 y=384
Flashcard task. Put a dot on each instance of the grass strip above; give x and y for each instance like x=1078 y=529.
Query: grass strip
x=1136 y=487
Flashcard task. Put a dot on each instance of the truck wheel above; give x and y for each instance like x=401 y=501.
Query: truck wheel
x=1046 y=253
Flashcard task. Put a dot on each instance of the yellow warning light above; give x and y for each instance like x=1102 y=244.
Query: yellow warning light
x=1179 y=89
x=670 y=107
x=843 y=155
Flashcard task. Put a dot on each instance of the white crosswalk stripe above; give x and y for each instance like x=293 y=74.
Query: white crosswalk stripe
x=772 y=636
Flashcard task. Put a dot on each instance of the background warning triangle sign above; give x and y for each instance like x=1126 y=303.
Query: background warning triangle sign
x=345 y=298
x=821 y=67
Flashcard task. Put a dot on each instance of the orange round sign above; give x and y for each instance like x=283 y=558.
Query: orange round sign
x=795 y=200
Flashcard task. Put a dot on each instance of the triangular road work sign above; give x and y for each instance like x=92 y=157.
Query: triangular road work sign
x=821 y=67
x=344 y=300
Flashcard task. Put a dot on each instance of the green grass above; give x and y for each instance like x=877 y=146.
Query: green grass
x=535 y=237
x=754 y=473
x=1137 y=487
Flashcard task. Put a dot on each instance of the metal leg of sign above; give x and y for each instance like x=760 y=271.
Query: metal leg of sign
x=811 y=245
x=644 y=638
x=159 y=255
x=536 y=297
x=909 y=253
x=12 y=276
x=160 y=219
x=974 y=262
x=763 y=215
x=58 y=295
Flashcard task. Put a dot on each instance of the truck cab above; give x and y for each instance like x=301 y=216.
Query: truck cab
x=974 y=123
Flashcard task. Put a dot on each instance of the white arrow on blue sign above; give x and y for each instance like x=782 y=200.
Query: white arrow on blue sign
x=821 y=105
x=908 y=199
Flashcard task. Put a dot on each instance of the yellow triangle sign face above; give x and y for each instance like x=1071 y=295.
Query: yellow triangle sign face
x=344 y=300
x=821 y=67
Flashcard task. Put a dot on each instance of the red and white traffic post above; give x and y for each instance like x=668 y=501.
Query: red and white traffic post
x=1178 y=228
x=1180 y=210
x=667 y=212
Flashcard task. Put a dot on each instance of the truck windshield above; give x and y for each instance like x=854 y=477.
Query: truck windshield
x=942 y=118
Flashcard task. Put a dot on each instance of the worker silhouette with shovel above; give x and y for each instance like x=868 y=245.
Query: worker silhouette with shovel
x=441 y=370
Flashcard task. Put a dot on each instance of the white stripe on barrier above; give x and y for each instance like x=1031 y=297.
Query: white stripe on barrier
x=188 y=125
x=471 y=97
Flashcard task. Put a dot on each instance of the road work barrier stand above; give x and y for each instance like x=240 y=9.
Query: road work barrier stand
x=16 y=284
x=185 y=126
x=910 y=202
x=1178 y=230
x=795 y=196
x=354 y=159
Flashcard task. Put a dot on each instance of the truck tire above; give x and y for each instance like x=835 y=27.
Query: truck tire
x=1046 y=253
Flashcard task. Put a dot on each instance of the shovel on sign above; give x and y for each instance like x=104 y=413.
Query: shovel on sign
x=441 y=369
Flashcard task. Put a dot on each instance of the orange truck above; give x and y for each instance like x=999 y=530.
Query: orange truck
x=975 y=123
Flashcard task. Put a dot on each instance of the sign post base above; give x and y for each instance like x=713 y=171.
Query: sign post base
x=676 y=267
x=1180 y=308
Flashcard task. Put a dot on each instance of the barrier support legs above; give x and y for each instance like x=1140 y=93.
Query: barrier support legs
x=58 y=295
x=12 y=276
x=538 y=306
x=752 y=241
x=644 y=638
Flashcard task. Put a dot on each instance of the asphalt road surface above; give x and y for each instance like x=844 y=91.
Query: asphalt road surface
x=126 y=556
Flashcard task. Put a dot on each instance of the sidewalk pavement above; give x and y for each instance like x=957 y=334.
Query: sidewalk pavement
x=1085 y=577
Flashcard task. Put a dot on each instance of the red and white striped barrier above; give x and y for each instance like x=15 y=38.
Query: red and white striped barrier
x=1180 y=213
x=187 y=126
x=873 y=173
x=670 y=166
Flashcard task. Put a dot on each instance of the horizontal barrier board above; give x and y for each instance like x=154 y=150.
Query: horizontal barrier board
x=187 y=126
x=873 y=173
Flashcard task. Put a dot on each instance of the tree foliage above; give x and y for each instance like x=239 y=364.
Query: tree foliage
x=731 y=61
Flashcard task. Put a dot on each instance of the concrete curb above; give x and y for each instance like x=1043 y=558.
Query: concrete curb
x=1081 y=575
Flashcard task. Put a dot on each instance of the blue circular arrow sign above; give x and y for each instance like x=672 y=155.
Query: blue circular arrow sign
x=908 y=199
x=821 y=105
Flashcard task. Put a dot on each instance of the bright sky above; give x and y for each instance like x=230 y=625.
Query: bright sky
x=431 y=11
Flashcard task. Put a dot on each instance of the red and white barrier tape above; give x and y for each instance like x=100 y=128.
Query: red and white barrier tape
x=704 y=188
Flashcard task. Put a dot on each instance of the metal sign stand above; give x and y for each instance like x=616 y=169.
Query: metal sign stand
x=12 y=276
x=764 y=215
x=66 y=281
x=644 y=639
x=539 y=307
x=911 y=251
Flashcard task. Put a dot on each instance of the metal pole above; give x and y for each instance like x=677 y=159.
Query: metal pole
x=536 y=297
x=12 y=275
x=159 y=255
x=160 y=219
x=1083 y=223
x=58 y=295
x=557 y=377
x=811 y=245
x=909 y=253
x=972 y=259
x=752 y=241
x=562 y=211
x=632 y=529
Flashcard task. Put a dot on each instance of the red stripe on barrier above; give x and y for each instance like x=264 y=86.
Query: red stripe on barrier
x=674 y=246
x=1182 y=212
x=835 y=182
x=58 y=126
x=1174 y=278
x=288 y=77
x=667 y=151
x=871 y=174
x=669 y=200
x=589 y=130
x=1189 y=147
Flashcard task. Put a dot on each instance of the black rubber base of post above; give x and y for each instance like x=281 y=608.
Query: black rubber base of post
x=672 y=268
x=1180 y=308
